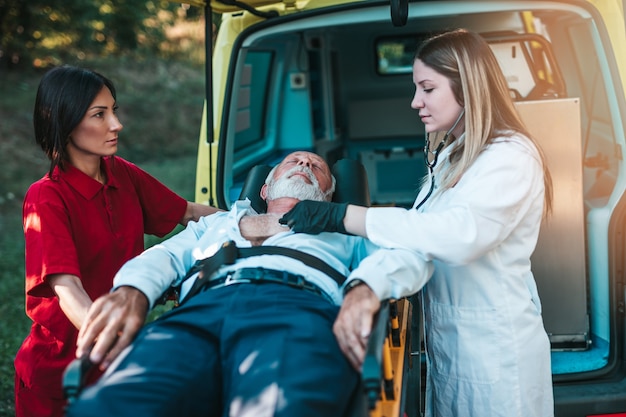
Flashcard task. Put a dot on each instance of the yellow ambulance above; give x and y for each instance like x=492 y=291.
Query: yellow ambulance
x=334 y=77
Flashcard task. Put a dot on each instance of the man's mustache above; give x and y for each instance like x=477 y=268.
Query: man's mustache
x=303 y=169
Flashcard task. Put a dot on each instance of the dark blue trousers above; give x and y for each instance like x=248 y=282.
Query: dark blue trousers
x=241 y=350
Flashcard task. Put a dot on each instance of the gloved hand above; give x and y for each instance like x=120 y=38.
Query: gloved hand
x=314 y=217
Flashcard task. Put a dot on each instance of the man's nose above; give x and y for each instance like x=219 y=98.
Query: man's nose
x=304 y=161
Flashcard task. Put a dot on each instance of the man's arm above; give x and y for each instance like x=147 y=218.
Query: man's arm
x=385 y=274
x=354 y=323
x=391 y=273
x=114 y=319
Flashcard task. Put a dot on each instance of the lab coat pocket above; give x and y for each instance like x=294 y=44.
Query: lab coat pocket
x=464 y=343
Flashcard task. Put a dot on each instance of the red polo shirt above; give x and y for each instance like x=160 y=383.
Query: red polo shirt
x=75 y=225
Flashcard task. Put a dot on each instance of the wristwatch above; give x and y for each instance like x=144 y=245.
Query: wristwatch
x=350 y=285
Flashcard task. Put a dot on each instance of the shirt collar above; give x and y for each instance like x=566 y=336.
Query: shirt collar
x=84 y=184
x=239 y=209
x=108 y=162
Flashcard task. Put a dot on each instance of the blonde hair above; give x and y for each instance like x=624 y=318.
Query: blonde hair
x=479 y=86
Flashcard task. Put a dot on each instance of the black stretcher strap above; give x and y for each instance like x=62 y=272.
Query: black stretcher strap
x=229 y=253
x=258 y=275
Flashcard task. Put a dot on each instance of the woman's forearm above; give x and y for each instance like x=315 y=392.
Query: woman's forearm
x=73 y=299
x=354 y=221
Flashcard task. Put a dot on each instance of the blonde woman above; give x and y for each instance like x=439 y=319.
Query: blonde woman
x=477 y=218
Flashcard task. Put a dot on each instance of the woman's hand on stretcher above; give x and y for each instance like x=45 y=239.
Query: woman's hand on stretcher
x=353 y=325
x=111 y=324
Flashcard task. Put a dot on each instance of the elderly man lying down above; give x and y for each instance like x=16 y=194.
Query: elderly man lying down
x=251 y=338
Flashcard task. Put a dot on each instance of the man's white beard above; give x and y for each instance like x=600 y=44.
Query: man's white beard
x=296 y=186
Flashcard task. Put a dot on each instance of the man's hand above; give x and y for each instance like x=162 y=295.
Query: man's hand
x=111 y=324
x=354 y=323
x=314 y=217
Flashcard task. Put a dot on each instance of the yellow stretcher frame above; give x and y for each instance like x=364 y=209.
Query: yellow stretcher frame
x=389 y=359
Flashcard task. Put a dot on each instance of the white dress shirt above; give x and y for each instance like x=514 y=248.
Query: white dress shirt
x=391 y=272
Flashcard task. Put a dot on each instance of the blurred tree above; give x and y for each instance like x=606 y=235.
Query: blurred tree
x=40 y=33
x=14 y=16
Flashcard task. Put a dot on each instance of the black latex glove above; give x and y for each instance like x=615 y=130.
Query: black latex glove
x=314 y=217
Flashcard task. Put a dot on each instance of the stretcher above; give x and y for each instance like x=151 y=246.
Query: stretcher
x=388 y=386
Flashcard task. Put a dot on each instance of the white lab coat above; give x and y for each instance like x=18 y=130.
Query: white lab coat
x=488 y=353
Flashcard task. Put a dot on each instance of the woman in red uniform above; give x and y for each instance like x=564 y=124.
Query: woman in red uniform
x=82 y=221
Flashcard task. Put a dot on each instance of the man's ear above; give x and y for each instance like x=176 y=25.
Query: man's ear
x=263 y=192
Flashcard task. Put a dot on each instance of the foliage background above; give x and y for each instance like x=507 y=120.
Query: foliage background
x=41 y=33
x=153 y=51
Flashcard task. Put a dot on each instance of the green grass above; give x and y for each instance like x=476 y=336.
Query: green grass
x=14 y=322
x=161 y=105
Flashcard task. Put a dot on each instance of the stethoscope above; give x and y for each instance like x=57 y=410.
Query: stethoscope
x=435 y=157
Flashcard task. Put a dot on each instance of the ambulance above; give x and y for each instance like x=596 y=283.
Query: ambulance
x=334 y=77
